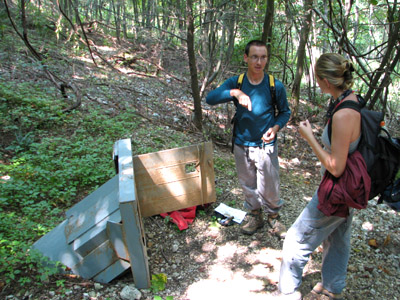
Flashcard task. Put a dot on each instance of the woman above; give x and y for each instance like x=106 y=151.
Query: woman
x=312 y=227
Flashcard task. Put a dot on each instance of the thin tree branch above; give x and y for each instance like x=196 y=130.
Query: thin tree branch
x=38 y=57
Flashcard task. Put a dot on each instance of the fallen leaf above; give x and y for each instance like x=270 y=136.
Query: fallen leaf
x=384 y=270
x=373 y=243
x=387 y=240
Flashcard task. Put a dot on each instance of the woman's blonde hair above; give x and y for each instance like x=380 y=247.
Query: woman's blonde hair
x=336 y=69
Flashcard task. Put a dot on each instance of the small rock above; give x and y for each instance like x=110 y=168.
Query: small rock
x=130 y=292
x=175 y=247
x=92 y=294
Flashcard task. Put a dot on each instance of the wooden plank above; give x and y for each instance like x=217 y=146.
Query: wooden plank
x=158 y=206
x=207 y=174
x=164 y=198
x=150 y=190
x=161 y=175
x=164 y=183
x=165 y=158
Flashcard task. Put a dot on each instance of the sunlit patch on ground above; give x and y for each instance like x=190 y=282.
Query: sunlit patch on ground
x=226 y=281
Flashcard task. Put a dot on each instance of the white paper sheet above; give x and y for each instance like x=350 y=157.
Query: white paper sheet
x=237 y=214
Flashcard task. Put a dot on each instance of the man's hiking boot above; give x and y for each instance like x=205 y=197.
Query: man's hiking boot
x=320 y=290
x=278 y=228
x=255 y=221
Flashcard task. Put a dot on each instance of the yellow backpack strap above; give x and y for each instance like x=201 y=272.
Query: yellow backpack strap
x=273 y=91
x=240 y=81
x=271 y=81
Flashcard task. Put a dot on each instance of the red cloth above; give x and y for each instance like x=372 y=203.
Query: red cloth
x=351 y=189
x=182 y=218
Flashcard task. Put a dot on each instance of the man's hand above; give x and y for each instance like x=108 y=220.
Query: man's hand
x=242 y=98
x=270 y=135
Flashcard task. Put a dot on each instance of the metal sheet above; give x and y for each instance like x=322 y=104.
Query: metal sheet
x=114 y=232
x=92 y=210
x=95 y=236
x=114 y=270
x=96 y=261
x=54 y=245
x=127 y=189
x=133 y=232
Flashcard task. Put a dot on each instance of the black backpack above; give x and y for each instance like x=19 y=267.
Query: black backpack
x=235 y=101
x=380 y=151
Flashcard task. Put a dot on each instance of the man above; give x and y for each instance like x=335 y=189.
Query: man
x=255 y=143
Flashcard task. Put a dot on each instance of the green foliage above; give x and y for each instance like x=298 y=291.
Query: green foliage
x=214 y=223
x=158 y=282
x=24 y=108
x=166 y=298
x=226 y=166
x=167 y=219
x=23 y=265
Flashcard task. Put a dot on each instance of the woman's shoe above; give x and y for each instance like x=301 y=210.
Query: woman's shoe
x=320 y=290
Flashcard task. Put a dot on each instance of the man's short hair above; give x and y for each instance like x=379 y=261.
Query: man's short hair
x=254 y=43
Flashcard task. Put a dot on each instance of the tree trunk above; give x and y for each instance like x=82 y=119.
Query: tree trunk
x=135 y=12
x=117 y=19
x=144 y=18
x=124 y=21
x=267 y=30
x=301 y=55
x=192 y=65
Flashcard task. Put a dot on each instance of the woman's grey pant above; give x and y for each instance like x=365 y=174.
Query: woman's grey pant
x=311 y=229
x=258 y=174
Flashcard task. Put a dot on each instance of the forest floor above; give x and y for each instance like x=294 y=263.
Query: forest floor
x=208 y=261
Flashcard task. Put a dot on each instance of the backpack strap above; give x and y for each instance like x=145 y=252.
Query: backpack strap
x=344 y=104
x=272 y=89
x=273 y=92
x=239 y=87
x=240 y=81
x=236 y=102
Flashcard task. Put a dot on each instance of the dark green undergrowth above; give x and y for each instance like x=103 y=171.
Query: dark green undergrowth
x=49 y=161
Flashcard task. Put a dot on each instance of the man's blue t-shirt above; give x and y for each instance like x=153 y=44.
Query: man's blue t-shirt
x=252 y=125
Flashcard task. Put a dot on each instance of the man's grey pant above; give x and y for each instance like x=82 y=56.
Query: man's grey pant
x=258 y=173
